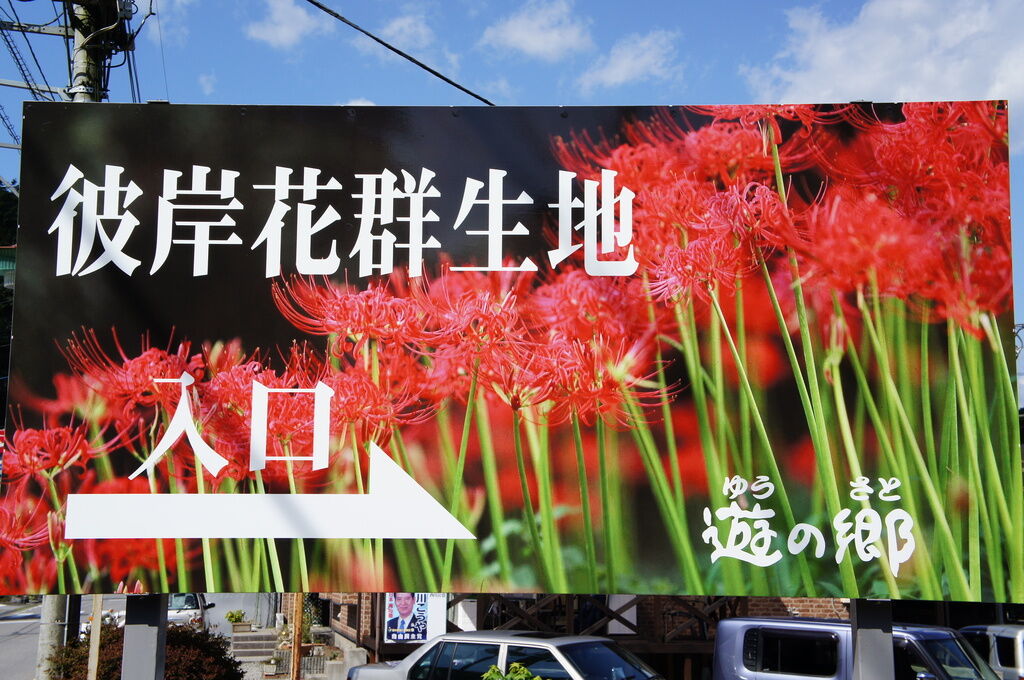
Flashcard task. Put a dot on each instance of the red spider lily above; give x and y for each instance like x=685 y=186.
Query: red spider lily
x=470 y=320
x=23 y=523
x=226 y=403
x=895 y=254
x=221 y=356
x=375 y=408
x=577 y=306
x=736 y=231
x=127 y=385
x=770 y=114
x=38 y=453
x=592 y=378
x=352 y=316
x=73 y=397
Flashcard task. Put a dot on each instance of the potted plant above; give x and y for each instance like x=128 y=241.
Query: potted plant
x=236 y=617
x=270 y=666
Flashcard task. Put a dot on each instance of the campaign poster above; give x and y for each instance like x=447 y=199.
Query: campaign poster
x=732 y=350
x=414 y=617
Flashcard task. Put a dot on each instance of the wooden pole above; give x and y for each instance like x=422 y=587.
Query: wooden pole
x=296 y=671
x=95 y=628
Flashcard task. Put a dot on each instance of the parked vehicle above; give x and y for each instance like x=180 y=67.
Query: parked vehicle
x=467 y=656
x=1002 y=646
x=188 y=609
x=796 y=649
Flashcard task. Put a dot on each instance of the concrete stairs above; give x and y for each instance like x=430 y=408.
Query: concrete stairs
x=259 y=645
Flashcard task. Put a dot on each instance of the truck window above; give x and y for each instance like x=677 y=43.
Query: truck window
x=907 y=661
x=790 y=651
x=980 y=642
x=1005 y=652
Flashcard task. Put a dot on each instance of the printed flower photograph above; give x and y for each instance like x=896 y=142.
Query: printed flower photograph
x=760 y=350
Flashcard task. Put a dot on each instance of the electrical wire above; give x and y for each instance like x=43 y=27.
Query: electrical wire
x=160 y=36
x=28 y=42
x=331 y=12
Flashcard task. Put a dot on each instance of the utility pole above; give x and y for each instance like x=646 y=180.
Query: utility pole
x=51 y=632
x=98 y=28
x=85 y=68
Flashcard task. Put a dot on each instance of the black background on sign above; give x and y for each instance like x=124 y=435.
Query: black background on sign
x=234 y=300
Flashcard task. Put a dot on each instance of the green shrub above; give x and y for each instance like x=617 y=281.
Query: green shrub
x=191 y=655
x=235 y=616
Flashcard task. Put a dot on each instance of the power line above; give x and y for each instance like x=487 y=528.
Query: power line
x=29 y=43
x=397 y=51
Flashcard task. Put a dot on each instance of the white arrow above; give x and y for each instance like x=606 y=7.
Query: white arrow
x=394 y=507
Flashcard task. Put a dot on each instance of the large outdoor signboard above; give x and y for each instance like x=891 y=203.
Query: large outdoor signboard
x=726 y=350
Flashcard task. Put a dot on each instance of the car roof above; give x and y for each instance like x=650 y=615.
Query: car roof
x=1010 y=629
x=834 y=625
x=520 y=636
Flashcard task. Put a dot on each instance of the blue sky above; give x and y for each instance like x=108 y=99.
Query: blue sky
x=561 y=52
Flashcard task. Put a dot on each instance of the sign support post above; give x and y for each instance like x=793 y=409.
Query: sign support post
x=871 y=628
x=145 y=637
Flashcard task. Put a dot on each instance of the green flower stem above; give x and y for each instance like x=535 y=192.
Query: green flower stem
x=494 y=506
x=678 y=532
x=1008 y=406
x=958 y=583
x=179 y=544
x=531 y=519
x=769 y=457
x=460 y=466
x=161 y=558
x=588 y=522
x=666 y=406
x=927 y=422
x=357 y=462
x=426 y=566
x=816 y=420
x=746 y=404
x=537 y=436
x=832 y=364
x=231 y=559
x=298 y=544
x=973 y=422
x=975 y=372
x=608 y=522
x=930 y=587
x=246 y=567
x=208 y=556
x=275 y=562
x=686 y=324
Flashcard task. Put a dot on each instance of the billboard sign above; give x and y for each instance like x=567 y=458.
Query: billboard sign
x=730 y=350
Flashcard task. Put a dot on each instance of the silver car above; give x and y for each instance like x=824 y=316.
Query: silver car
x=813 y=649
x=467 y=656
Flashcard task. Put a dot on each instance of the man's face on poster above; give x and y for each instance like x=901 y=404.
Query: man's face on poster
x=404 y=603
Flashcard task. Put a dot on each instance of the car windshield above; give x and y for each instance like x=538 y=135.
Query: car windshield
x=606 y=661
x=959 y=661
x=182 y=601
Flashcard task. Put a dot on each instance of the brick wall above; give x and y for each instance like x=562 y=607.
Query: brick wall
x=814 y=607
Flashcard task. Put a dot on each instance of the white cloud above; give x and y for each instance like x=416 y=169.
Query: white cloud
x=286 y=24
x=171 y=21
x=359 y=101
x=498 y=89
x=408 y=32
x=635 y=58
x=901 y=50
x=542 y=30
x=207 y=83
